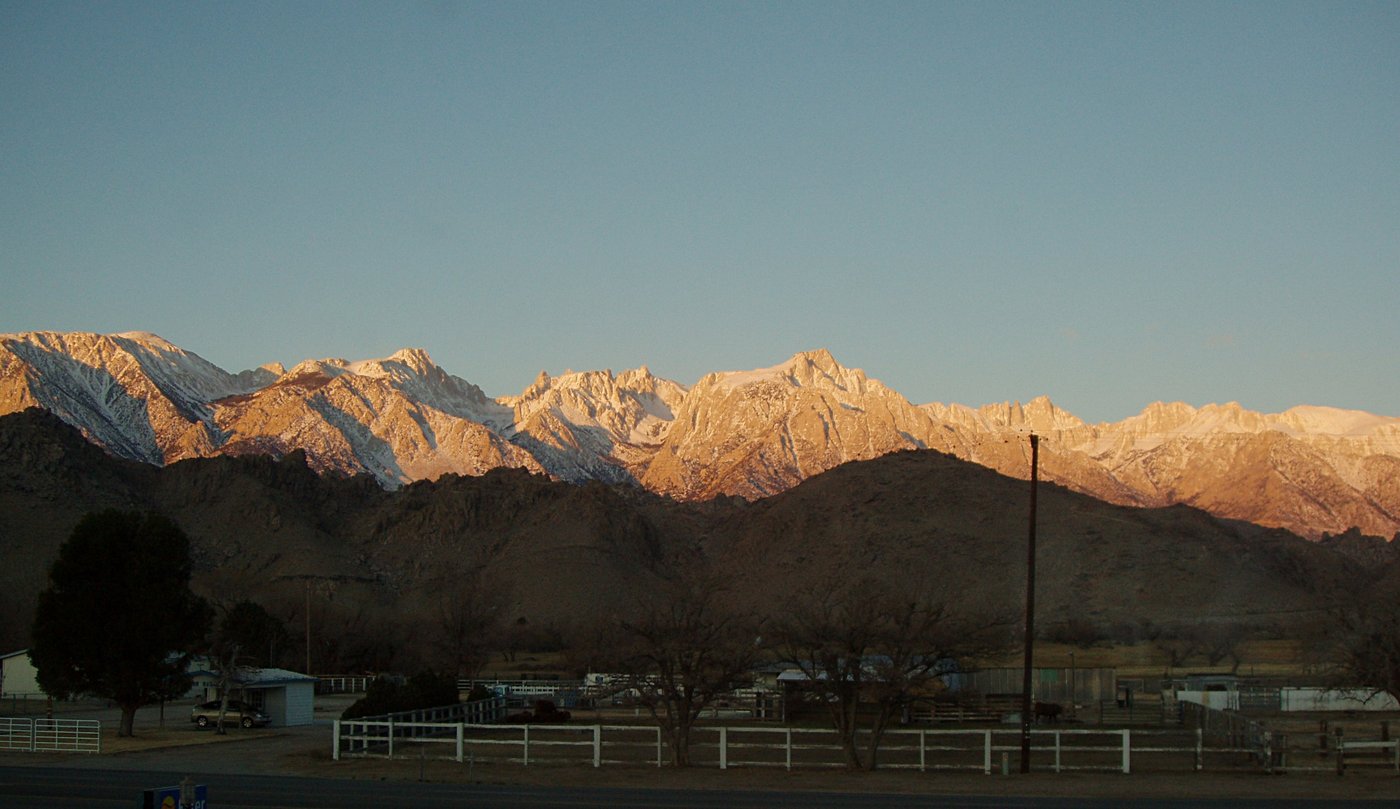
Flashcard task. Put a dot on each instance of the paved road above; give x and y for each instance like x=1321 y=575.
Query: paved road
x=63 y=788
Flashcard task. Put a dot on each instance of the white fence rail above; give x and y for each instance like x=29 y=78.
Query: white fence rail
x=376 y=735
x=986 y=750
x=51 y=735
x=343 y=684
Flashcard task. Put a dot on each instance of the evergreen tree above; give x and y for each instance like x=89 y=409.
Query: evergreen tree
x=118 y=619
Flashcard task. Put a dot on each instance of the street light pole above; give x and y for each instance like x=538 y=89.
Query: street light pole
x=1026 y=699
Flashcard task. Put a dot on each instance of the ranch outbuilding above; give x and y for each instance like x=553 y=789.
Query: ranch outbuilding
x=18 y=677
x=288 y=697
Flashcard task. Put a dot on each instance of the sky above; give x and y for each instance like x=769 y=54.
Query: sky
x=1107 y=203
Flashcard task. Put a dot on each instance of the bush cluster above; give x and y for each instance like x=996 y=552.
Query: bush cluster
x=426 y=689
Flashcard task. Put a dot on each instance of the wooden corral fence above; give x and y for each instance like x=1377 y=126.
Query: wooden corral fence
x=1328 y=749
x=1066 y=686
x=1331 y=751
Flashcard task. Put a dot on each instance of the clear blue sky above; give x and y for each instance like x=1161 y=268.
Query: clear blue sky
x=1109 y=203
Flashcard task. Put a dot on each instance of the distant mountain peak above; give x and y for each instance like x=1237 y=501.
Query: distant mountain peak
x=149 y=338
x=817 y=357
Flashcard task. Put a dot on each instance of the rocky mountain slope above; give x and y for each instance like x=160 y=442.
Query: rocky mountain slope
x=1312 y=470
x=387 y=570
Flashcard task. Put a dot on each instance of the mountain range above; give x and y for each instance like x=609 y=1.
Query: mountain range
x=751 y=434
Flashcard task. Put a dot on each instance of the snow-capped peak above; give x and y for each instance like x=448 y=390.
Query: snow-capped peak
x=1334 y=421
x=148 y=338
x=414 y=361
x=805 y=369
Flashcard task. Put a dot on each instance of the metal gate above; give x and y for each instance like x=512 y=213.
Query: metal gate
x=51 y=735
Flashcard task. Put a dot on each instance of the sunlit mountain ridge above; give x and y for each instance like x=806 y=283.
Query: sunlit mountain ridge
x=1313 y=470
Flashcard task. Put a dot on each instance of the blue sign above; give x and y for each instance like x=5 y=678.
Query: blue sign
x=169 y=798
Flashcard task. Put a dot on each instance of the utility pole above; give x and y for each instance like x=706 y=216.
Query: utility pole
x=1027 y=703
x=308 y=627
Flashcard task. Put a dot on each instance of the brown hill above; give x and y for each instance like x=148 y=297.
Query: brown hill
x=966 y=527
x=385 y=571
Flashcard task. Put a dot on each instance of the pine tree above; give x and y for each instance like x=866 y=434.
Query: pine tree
x=118 y=619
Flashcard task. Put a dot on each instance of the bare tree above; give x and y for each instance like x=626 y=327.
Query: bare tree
x=1214 y=642
x=1364 y=645
x=679 y=650
x=1179 y=644
x=875 y=642
x=466 y=623
x=231 y=674
x=1222 y=641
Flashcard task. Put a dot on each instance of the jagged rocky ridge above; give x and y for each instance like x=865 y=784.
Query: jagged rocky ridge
x=1313 y=470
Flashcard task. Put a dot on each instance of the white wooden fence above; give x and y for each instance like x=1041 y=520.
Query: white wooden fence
x=51 y=735
x=343 y=684
x=984 y=750
x=372 y=735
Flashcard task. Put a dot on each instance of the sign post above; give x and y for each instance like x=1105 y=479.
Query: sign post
x=184 y=796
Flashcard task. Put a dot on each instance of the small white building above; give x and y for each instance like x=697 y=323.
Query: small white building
x=288 y=697
x=18 y=677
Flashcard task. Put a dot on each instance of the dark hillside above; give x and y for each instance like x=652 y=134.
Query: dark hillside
x=384 y=568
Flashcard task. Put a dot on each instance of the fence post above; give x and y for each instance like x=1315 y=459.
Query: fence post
x=525 y=751
x=461 y=733
x=922 y=747
x=391 y=735
x=987 y=752
x=658 y=746
x=597 y=745
x=1057 y=751
x=724 y=748
x=1200 y=750
x=1127 y=751
x=335 y=740
x=789 y=748
x=1269 y=751
x=1341 y=760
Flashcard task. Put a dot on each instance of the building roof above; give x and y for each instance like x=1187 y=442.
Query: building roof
x=14 y=654
x=257 y=678
x=264 y=678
